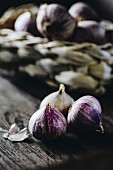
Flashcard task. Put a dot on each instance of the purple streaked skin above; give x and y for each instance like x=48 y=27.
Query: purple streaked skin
x=51 y=126
x=85 y=115
x=91 y=113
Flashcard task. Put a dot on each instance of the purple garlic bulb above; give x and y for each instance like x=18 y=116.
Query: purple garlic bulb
x=47 y=124
x=27 y=22
x=89 y=31
x=82 y=11
x=85 y=115
x=59 y=99
x=54 y=22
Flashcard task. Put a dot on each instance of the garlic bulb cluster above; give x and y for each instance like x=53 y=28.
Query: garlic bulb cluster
x=49 y=123
x=59 y=99
x=54 y=22
x=85 y=115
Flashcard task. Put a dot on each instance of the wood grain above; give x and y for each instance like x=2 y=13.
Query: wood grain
x=71 y=151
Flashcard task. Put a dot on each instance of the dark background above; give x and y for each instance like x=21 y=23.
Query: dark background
x=103 y=7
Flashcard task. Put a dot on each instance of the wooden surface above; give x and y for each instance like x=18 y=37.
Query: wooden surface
x=18 y=101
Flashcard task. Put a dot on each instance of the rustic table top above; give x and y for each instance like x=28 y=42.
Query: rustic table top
x=18 y=101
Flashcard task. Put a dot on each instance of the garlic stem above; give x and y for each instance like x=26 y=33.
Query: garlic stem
x=61 y=88
x=48 y=106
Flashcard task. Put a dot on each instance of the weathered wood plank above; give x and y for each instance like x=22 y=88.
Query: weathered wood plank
x=30 y=154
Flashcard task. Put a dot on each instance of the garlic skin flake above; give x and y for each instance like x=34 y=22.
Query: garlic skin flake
x=59 y=99
x=13 y=130
x=19 y=136
x=14 y=134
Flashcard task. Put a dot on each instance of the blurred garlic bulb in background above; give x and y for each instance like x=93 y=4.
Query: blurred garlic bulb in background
x=89 y=31
x=27 y=22
x=54 y=22
x=82 y=11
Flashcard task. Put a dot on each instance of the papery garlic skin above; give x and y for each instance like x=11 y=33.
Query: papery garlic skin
x=85 y=115
x=47 y=124
x=60 y=100
x=55 y=22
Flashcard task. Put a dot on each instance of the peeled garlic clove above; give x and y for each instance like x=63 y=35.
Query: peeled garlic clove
x=59 y=99
x=85 y=115
x=55 y=22
x=47 y=124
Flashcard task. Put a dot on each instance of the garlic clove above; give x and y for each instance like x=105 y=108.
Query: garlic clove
x=47 y=124
x=60 y=100
x=85 y=115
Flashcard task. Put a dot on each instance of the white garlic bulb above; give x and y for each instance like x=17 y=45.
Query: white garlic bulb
x=59 y=99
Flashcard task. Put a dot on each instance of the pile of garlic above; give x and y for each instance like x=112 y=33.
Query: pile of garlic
x=58 y=113
x=31 y=45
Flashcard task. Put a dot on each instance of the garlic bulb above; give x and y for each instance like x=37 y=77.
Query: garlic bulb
x=55 y=22
x=89 y=31
x=82 y=11
x=27 y=22
x=59 y=99
x=85 y=115
x=47 y=123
